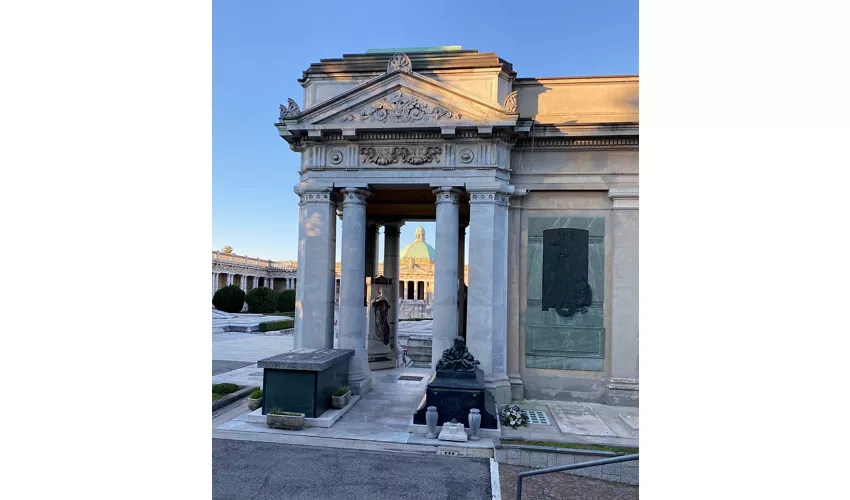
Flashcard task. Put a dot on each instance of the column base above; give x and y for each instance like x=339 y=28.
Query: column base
x=361 y=387
x=623 y=392
x=500 y=388
x=517 y=389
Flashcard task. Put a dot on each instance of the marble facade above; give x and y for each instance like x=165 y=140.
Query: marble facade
x=456 y=137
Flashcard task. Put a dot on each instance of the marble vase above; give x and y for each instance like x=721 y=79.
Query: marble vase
x=431 y=421
x=474 y=424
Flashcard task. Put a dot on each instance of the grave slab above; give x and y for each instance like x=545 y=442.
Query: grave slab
x=579 y=419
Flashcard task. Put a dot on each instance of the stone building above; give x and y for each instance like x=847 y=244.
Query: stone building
x=416 y=282
x=542 y=172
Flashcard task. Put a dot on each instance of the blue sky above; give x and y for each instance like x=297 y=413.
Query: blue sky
x=260 y=49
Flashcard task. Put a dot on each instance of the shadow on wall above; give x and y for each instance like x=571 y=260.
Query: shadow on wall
x=528 y=100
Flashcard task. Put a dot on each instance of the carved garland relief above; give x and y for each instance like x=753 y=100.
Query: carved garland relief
x=410 y=155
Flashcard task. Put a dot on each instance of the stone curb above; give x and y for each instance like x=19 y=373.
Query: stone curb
x=552 y=449
x=232 y=397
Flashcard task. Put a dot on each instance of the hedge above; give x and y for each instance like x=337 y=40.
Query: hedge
x=229 y=299
x=261 y=300
x=270 y=326
x=286 y=300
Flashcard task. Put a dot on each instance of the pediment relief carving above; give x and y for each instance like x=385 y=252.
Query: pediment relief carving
x=400 y=106
x=397 y=97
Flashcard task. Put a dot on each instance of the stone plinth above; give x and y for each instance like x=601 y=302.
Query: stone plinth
x=454 y=394
x=303 y=380
x=453 y=432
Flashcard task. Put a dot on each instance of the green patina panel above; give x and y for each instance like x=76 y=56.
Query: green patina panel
x=557 y=342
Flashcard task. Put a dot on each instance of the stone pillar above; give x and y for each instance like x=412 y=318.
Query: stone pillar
x=623 y=387
x=229 y=279
x=214 y=283
x=372 y=231
x=487 y=320
x=330 y=273
x=315 y=246
x=392 y=233
x=271 y=283
x=461 y=295
x=515 y=350
x=445 y=273
x=352 y=309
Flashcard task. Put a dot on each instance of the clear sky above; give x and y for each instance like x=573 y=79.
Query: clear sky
x=260 y=49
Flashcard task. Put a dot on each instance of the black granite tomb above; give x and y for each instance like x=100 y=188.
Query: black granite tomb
x=303 y=380
x=456 y=389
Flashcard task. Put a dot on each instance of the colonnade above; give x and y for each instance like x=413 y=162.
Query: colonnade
x=248 y=282
x=486 y=323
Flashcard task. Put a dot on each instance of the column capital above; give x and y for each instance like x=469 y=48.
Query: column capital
x=447 y=194
x=624 y=197
x=392 y=227
x=315 y=194
x=355 y=196
x=492 y=197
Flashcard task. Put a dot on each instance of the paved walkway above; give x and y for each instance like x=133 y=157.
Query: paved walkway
x=263 y=471
x=561 y=485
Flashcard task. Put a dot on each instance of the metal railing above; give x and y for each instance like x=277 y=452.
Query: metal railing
x=582 y=465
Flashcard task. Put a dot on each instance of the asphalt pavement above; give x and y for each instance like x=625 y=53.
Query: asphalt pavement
x=246 y=470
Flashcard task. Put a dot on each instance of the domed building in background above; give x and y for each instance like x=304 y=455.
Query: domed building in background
x=419 y=249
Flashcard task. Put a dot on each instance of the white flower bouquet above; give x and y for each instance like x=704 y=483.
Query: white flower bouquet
x=513 y=417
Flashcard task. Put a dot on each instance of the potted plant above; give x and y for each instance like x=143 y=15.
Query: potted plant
x=278 y=419
x=255 y=400
x=341 y=397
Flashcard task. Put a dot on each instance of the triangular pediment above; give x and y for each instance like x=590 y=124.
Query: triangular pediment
x=400 y=99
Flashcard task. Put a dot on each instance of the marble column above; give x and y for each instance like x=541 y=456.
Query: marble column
x=315 y=246
x=352 y=308
x=271 y=283
x=623 y=386
x=515 y=350
x=330 y=275
x=229 y=279
x=392 y=233
x=461 y=295
x=445 y=272
x=487 y=320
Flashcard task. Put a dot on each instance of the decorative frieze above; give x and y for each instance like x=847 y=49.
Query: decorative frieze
x=466 y=155
x=414 y=155
x=316 y=194
x=400 y=107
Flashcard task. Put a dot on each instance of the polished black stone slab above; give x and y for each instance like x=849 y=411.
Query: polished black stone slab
x=454 y=394
x=304 y=380
x=313 y=360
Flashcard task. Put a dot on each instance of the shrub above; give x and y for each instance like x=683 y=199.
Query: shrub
x=270 y=326
x=256 y=394
x=342 y=390
x=229 y=299
x=261 y=300
x=224 y=389
x=286 y=301
x=216 y=396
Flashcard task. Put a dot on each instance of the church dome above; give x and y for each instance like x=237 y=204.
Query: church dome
x=418 y=249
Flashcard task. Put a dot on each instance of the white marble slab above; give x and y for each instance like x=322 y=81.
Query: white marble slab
x=575 y=418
